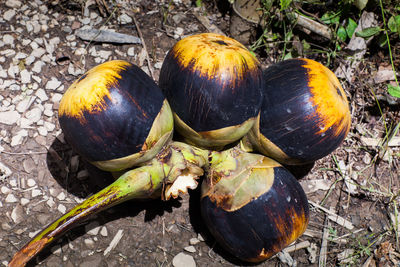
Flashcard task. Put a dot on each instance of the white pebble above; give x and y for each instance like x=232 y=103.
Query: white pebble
x=5 y=190
x=183 y=260
x=11 y=198
x=36 y=192
x=131 y=51
x=61 y=208
x=38 y=52
x=17 y=214
x=41 y=94
x=53 y=84
x=37 y=67
x=9 y=117
x=13 y=3
x=25 y=76
x=42 y=131
x=31 y=182
x=24 y=201
x=190 y=249
x=50 y=202
x=17 y=139
x=8 y=39
x=124 y=19
x=103 y=231
x=61 y=196
x=9 y=14
x=56 y=98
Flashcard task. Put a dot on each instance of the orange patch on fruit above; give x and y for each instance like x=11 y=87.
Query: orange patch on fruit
x=89 y=92
x=214 y=56
x=329 y=98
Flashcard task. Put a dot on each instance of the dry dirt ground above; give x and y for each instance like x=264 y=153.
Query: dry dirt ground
x=41 y=177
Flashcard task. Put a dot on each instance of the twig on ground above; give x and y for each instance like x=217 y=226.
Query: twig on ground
x=206 y=22
x=334 y=217
x=313 y=26
x=114 y=242
x=324 y=244
x=298 y=246
x=143 y=44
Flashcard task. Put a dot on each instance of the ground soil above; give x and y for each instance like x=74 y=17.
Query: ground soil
x=154 y=232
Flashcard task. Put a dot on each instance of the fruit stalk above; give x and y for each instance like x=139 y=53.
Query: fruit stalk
x=149 y=181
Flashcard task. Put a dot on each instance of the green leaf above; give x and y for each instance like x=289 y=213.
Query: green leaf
x=394 y=90
x=330 y=18
x=288 y=56
x=368 y=32
x=285 y=4
x=394 y=24
x=351 y=27
x=341 y=33
x=306 y=46
x=361 y=4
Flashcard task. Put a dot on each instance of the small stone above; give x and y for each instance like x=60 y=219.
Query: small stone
x=25 y=76
x=105 y=54
x=194 y=241
x=9 y=14
x=31 y=182
x=37 y=67
x=56 y=250
x=5 y=190
x=53 y=84
x=49 y=126
x=36 y=192
x=29 y=60
x=42 y=131
x=13 y=3
x=38 y=52
x=61 y=208
x=183 y=260
x=41 y=94
x=34 y=115
x=17 y=139
x=17 y=214
x=178 y=32
x=103 y=231
x=190 y=249
x=124 y=19
x=200 y=237
x=56 y=98
x=8 y=39
x=29 y=166
x=89 y=242
x=93 y=228
x=131 y=51
x=24 y=201
x=61 y=196
x=11 y=198
x=20 y=55
x=9 y=117
x=13 y=183
x=24 y=104
x=50 y=202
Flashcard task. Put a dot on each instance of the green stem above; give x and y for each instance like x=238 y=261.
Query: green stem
x=141 y=183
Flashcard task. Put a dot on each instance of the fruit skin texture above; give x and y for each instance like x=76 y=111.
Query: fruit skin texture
x=304 y=115
x=115 y=116
x=213 y=84
x=253 y=206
